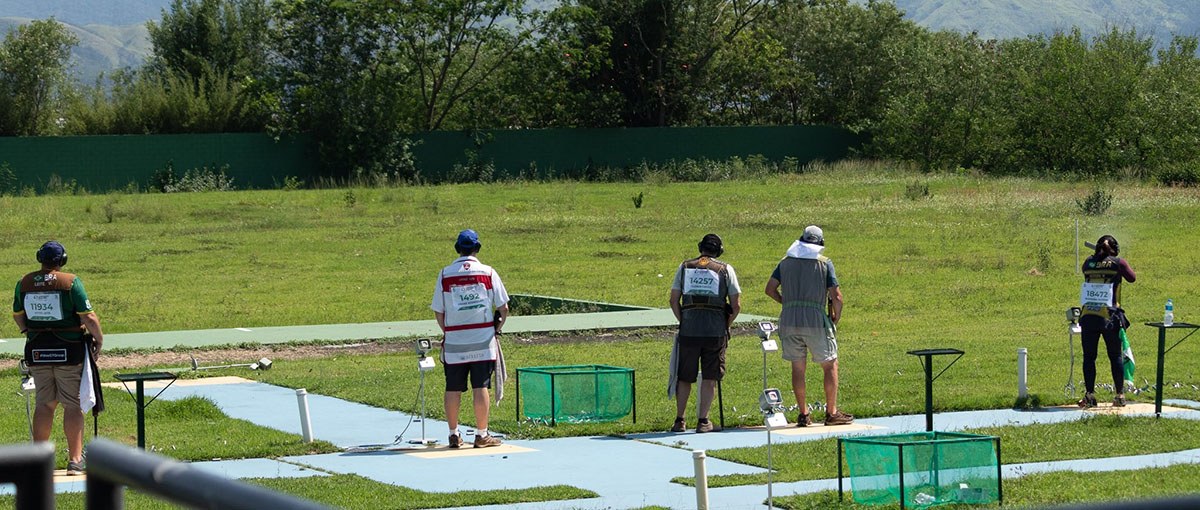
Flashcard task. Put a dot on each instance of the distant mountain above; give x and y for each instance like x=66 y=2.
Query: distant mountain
x=1002 y=19
x=102 y=48
x=86 y=12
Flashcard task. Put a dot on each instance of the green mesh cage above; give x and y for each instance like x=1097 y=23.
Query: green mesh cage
x=924 y=469
x=576 y=393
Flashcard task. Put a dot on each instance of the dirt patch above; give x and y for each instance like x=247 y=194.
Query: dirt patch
x=207 y=357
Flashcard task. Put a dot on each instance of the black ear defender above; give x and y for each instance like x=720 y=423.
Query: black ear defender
x=52 y=253
x=712 y=244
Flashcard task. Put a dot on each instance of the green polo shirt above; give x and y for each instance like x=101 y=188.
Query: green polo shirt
x=73 y=302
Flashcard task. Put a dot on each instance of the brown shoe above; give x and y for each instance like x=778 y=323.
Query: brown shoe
x=707 y=427
x=679 y=425
x=839 y=418
x=486 y=441
x=804 y=420
x=1119 y=401
x=455 y=440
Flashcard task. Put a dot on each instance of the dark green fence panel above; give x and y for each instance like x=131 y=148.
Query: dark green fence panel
x=557 y=152
x=111 y=162
x=255 y=160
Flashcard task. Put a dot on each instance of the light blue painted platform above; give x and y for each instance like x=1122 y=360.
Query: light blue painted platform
x=626 y=472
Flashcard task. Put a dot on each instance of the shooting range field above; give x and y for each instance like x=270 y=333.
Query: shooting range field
x=985 y=265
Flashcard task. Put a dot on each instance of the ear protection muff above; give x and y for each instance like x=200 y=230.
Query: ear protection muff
x=712 y=244
x=44 y=257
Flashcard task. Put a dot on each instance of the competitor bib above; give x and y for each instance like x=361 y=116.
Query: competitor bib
x=469 y=297
x=1096 y=294
x=43 y=306
x=701 y=282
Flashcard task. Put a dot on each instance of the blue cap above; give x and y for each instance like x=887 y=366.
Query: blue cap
x=468 y=239
x=51 y=252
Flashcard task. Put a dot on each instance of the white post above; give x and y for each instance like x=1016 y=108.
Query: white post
x=1022 y=365
x=701 y=480
x=1077 y=246
x=305 y=422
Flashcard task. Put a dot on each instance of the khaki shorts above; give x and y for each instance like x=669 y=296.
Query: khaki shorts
x=58 y=383
x=797 y=342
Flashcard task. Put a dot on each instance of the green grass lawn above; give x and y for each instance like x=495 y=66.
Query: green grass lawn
x=356 y=492
x=1094 y=437
x=1047 y=489
x=949 y=270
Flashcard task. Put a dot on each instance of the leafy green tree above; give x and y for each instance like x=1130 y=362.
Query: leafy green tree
x=456 y=47
x=948 y=110
x=34 y=77
x=197 y=38
x=1075 y=102
x=847 y=57
x=340 y=80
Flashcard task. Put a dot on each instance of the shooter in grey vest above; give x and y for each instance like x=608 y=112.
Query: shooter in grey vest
x=706 y=298
x=812 y=306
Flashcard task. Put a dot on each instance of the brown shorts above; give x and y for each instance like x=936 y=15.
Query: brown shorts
x=58 y=383
x=707 y=352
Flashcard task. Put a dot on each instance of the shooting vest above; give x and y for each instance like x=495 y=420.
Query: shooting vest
x=1101 y=290
x=467 y=299
x=54 y=329
x=805 y=296
x=705 y=283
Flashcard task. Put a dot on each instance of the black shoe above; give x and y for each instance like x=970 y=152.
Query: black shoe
x=804 y=420
x=455 y=440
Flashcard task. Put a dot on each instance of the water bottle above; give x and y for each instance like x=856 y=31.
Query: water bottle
x=1169 y=314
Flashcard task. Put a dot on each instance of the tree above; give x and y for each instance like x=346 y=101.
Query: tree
x=206 y=37
x=340 y=81
x=457 y=46
x=33 y=77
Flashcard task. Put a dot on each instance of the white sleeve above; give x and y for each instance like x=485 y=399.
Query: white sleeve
x=436 y=304
x=499 y=293
x=734 y=287
x=677 y=284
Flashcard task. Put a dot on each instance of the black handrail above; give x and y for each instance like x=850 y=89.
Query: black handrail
x=31 y=468
x=112 y=466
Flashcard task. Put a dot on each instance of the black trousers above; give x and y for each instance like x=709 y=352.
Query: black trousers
x=1112 y=343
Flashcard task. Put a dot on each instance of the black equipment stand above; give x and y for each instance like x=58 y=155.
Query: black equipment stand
x=140 y=400
x=1162 y=351
x=927 y=363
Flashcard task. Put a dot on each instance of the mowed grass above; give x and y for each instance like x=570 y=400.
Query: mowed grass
x=1097 y=436
x=1047 y=489
x=355 y=492
x=951 y=270
x=187 y=429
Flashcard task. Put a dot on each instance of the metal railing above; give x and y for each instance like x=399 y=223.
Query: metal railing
x=112 y=467
x=31 y=468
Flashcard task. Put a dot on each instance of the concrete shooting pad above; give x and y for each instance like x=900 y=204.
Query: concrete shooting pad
x=1131 y=408
x=203 y=381
x=443 y=451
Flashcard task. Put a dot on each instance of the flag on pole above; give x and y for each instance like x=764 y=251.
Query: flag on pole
x=1127 y=354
